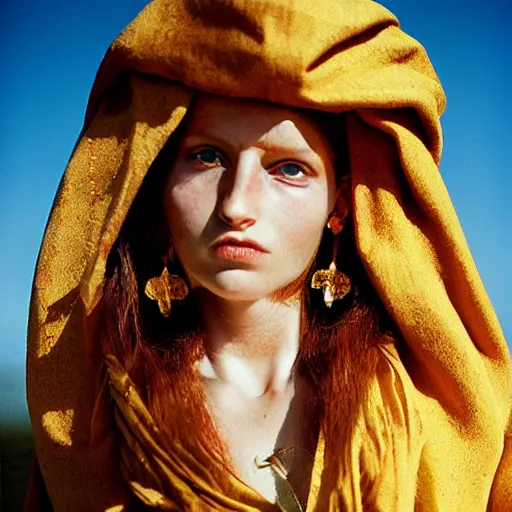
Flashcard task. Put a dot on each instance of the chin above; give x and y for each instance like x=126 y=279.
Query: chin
x=240 y=285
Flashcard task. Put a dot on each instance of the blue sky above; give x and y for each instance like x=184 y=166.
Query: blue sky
x=49 y=53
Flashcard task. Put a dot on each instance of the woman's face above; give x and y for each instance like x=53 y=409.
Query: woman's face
x=248 y=196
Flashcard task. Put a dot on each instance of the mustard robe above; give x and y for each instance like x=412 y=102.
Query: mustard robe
x=448 y=398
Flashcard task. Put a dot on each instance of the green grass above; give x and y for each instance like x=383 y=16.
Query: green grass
x=16 y=456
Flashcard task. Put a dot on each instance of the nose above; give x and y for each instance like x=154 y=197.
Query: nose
x=240 y=193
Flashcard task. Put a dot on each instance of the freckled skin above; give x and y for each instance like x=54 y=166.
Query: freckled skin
x=247 y=197
x=250 y=170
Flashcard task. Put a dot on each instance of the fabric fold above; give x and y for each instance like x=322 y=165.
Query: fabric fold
x=452 y=372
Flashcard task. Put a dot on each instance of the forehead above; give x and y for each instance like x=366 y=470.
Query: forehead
x=252 y=122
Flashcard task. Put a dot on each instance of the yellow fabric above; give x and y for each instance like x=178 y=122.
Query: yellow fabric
x=154 y=473
x=449 y=393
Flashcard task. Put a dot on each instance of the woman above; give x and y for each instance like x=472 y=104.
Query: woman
x=253 y=291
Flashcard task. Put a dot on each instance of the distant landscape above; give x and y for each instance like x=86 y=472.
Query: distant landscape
x=16 y=440
x=16 y=455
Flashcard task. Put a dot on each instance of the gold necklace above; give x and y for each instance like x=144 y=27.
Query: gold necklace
x=286 y=499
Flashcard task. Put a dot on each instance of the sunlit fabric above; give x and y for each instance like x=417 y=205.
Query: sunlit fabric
x=447 y=396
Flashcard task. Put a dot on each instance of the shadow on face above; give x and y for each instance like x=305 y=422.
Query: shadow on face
x=248 y=195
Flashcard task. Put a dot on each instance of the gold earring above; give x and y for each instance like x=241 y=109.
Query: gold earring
x=166 y=288
x=335 y=284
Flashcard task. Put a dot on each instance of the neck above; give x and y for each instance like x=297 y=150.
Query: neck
x=250 y=346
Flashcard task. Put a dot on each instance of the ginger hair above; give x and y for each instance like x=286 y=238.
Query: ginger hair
x=337 y=351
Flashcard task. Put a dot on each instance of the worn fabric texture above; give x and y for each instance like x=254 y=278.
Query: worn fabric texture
x=449 y=390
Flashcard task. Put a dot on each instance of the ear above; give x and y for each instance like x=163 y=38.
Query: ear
x=343 y=201
x=344 y=195
x=169 y=255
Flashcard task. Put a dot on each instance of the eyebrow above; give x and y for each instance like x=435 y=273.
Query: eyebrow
x=271 y=147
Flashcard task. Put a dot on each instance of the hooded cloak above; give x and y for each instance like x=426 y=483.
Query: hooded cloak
x=449 y=391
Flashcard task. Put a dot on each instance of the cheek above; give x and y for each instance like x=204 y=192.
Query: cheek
x=302 y=231
x=188 y=206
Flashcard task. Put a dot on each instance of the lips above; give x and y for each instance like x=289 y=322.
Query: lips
x=246 y=242
x=235 y=249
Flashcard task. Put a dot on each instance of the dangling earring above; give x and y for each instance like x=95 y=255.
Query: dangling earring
x=166 y=288
x=335 y=284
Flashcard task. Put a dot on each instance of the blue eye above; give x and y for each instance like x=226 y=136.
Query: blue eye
x=207 y=157
x=290 y=170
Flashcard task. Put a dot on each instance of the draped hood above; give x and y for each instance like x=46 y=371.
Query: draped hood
x=344 y=56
